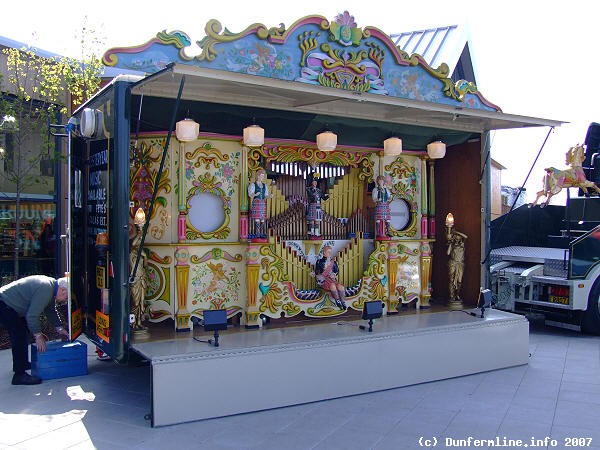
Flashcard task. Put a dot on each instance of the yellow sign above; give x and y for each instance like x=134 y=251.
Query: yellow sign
x=100 y=277
x=76 y=323
x=103 y=326
x=559 y=299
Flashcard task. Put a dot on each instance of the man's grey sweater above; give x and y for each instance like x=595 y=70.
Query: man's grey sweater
x=29 y=297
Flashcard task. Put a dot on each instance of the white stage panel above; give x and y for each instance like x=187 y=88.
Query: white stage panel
x=262 y=369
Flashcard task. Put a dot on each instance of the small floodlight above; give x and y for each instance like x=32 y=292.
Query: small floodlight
x=371 y=310
x=215 y=320
x=485 y=301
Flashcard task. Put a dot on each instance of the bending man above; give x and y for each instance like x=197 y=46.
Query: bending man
x=21 y=304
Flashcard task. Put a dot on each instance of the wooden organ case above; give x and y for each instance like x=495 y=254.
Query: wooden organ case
x=281 y=272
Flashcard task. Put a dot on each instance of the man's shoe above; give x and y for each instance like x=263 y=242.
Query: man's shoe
x=26 y=379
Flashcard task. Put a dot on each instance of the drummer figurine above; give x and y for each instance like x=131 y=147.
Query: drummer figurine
x=382 y=196
x=314 y=214
x=258 y=191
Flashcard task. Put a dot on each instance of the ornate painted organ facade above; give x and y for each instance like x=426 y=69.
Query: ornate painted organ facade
x=201 y=251
x=199 y=254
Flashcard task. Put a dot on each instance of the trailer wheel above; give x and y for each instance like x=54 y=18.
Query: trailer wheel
x=591 y=317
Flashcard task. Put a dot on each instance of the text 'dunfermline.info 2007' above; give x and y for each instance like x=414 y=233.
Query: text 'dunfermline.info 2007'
x=497 y=441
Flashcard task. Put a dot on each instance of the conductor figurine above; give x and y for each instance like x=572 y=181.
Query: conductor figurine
x=314 y=215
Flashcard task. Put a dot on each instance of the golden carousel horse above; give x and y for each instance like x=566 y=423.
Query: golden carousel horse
x=555 y=180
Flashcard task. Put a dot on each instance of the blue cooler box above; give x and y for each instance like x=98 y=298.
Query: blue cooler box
x=60 y=360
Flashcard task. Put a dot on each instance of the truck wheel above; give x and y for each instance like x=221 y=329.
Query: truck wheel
x=591 y=317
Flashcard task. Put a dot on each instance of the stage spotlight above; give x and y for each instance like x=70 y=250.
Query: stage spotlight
x=371 y=310
x=485 y=301
x=215 y=320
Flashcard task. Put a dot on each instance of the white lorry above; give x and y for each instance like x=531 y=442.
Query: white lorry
x=559 y=276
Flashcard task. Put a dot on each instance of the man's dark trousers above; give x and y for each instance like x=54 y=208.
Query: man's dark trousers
x=18 y=332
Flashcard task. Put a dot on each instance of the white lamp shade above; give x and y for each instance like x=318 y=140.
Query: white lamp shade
x=392 y=146
x=140 y=217
x=327 y=141
x=187 y=130
x=254 y=136
x=436 y=150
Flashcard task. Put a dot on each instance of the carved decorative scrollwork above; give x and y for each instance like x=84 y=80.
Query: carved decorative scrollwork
x=206 y=155
x=405 y=187
x=208 y=183
x=213 y=37
x=143 y=173
x=287 y=153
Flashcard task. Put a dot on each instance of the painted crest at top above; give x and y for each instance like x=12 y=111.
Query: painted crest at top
x=344 y=30
x=335 y=54
x=344 y=68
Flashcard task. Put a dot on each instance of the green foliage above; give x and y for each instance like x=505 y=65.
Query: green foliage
x=32 y=97
x=37 y=92
x=82 y=77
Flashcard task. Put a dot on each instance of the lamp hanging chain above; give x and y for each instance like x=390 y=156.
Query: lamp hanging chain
x=156 y=183
x=517 y=197
x=137 y=127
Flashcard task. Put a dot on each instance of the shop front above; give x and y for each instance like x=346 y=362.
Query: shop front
x=36 y=241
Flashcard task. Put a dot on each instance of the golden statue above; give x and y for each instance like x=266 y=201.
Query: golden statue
x=139 y=280
x=456 y=262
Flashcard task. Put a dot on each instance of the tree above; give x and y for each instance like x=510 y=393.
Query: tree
x=83 y=76
x=38 y=92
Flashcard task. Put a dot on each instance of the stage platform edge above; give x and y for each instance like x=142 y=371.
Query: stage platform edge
x=270 y=368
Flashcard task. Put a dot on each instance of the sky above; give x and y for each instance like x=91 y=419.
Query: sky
x=532 y=58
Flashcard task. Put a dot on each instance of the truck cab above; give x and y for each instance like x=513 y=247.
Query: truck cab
x=547 y=261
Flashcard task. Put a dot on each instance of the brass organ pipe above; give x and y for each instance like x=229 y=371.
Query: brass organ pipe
x=297 y=268
x=288 y=263
x=342 y=187
x=354 y=205
x=357 y=260
x=351 y=264
x=344 y=198
x=342 y=195
x=352 y=201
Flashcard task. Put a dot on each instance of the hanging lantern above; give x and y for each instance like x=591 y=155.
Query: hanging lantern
x=254 y=136
x=392 y=146
x=327 y=141
x=187 y=130
x=436 y=150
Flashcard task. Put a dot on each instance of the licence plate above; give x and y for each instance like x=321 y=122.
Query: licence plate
x=559 y=299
